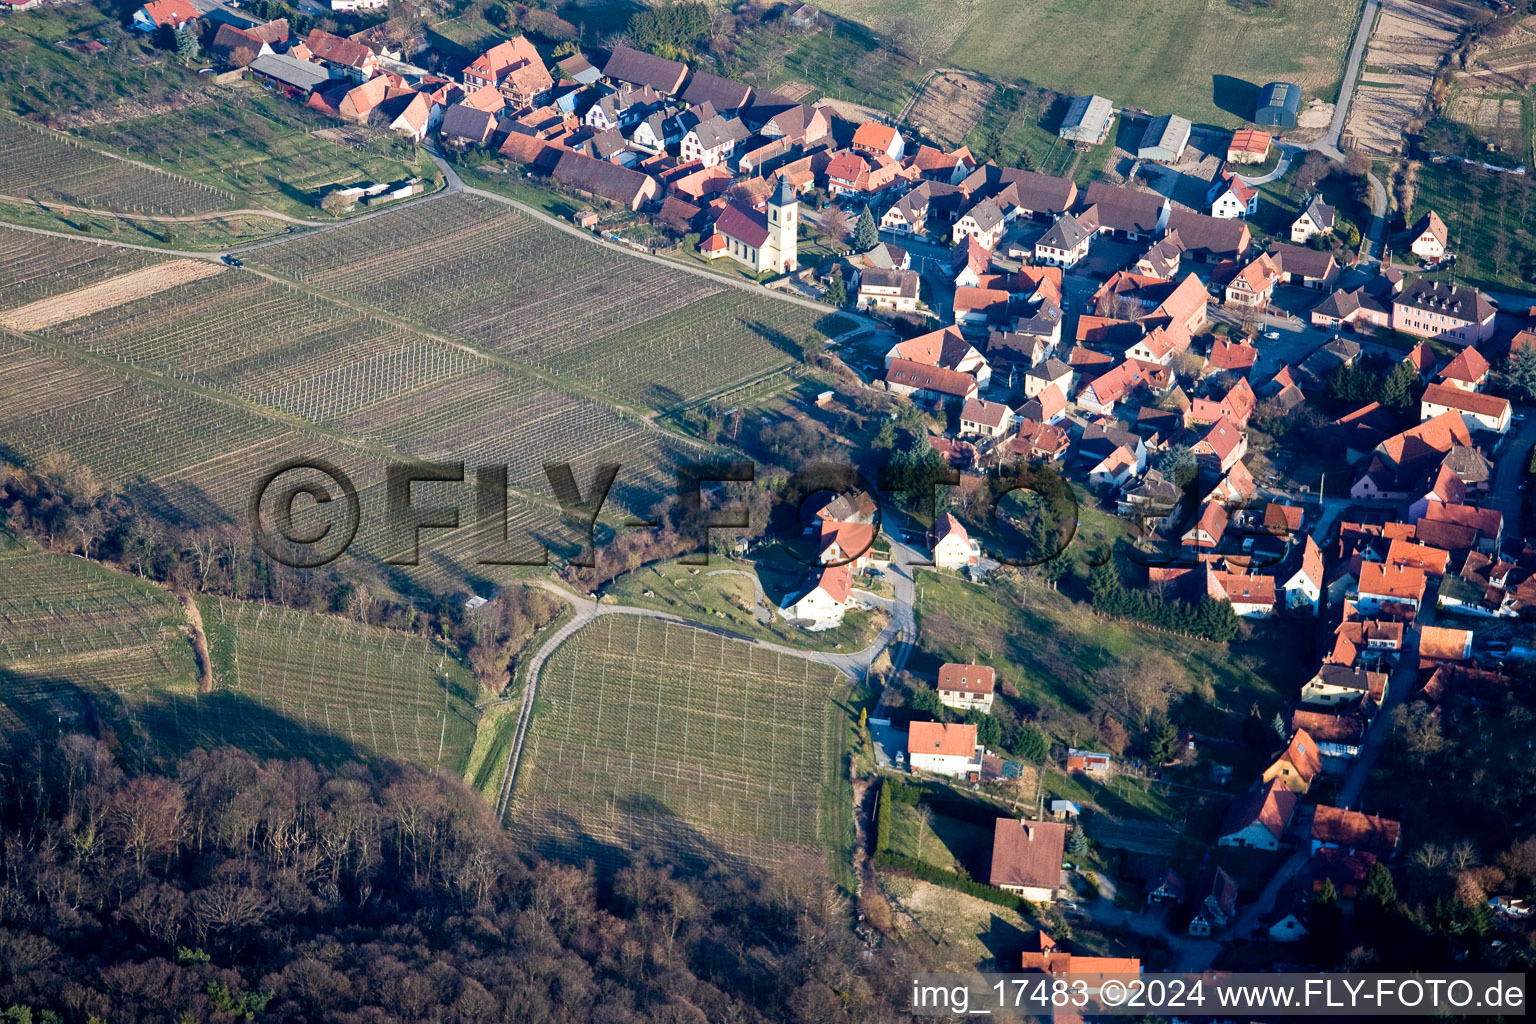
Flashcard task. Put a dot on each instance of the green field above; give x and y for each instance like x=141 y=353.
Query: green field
x=262 y=148
x=36 y=163
x=649 y=732
x=1166 y=56
x=1053 y=651
x=1480 y=209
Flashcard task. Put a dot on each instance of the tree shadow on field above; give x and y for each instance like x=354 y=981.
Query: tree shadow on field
x=1234 y=95
x=778 y=339
x=1002 y=939
x=161 y=727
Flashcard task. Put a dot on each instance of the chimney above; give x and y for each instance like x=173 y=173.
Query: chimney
x=1029 y=831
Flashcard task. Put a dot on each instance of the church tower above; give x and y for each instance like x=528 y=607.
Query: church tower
x=783 y=227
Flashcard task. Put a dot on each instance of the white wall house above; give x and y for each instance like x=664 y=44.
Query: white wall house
x=944 y=748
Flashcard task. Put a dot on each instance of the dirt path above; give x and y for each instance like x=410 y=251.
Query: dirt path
x=104 y=295
x=199 y=640
x=157 y=218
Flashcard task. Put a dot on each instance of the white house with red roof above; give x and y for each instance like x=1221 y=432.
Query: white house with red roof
x=1231 y=197
x=1304 y=589
x=1468 y=371
x=944 y=748
x=953 y=547
x=873 y=137
x=512 y=67
x=967 y=687
x=822 y=606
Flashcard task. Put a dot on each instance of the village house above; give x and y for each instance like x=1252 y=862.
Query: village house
x=1351 y=309
x=944 y=748
x=982 y=222
x=1229 y=196
x=1085 y=973
x=1434 y=309
x=1304 y=588
x=713 y=141
x=514 y=68
x=724 y=95
x=1207 y=239
x=637 y=67
x=1317 y=218
x=1353 y=832
x=1389 y=585
x=1089 y=762
x=1129 y=214
x=1338 y=737
x=1065 y=242
x=1478 y=411
x=1026 y=857
x=952 y=546
x=344 y=58
x=173 y=14
x=1253 y=287
x=1300 y=265
x=1299 y=765
x=1428 y=236
x=1334 y=685
x=1468 y=371
x=875 y=138
x=1215 y=903
x=1051 y=372
x=823 y=605
x=894 y=291
x=1258 y=819
x=946 y=348
x=967 y=687
x=603 y=180
x=985 y=419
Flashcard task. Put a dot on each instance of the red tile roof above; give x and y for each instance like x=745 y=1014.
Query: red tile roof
x=1352 y=830
x=967 y=678
x=1027 y=853
x=948 y=739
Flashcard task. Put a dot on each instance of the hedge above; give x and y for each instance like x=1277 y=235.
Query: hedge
x=950 y=880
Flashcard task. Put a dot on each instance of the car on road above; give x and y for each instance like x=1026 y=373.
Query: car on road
x=1272 y=334
x=1519 y=417
x=233 y=261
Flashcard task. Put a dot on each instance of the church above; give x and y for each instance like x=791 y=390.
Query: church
x=760 y=241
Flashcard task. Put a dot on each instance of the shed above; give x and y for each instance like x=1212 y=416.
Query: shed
x=1279 y=103
x=1088 y=120
x=1165 y=139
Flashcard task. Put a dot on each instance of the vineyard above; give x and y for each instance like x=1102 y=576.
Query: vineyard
x=642 y=723
x=340 y=368
x=257 y=145
x=42 y=164
x=500 y=279
x=31 y=269
x=322 y=687
x=71 y=629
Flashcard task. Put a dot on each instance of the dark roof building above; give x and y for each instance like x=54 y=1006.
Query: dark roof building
x=604 y=180
x=640 y=68
x=1279 y=103
x=723 y=93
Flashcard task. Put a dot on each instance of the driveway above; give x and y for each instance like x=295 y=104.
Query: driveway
x=1190 y=955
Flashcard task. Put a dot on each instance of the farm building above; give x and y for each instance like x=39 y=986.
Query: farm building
x=637 y=67
x=293 y=76
x=1279 y=103
x=1248 y=147
x=1165 y=139
x=604 y=180
x=1088 y=120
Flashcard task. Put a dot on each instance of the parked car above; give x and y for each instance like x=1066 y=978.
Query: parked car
x=233 y=261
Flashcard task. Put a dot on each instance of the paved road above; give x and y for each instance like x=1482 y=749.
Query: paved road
x=1509 y=468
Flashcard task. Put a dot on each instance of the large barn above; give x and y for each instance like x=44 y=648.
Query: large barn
x=1279 y=103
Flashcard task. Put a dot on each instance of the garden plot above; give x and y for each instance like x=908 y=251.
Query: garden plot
x=1406 y=48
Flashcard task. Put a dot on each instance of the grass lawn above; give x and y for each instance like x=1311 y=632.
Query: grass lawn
x=261 y=147
x=952 y=843
x=211 y=235
x=844 y=60
x=720 y=595
x=493 y=178
x=1052 y=650
x=1480 y=209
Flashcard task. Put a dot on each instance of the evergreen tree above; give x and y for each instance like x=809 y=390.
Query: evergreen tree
x=837 y=291
x=1376 y=909
x=1162 y=742
x=187 y=47
x=1077 y=842
x=1104 y=587
x=989 y=730
x=926 y=700
x=866 y=235
x=1325 y=930
x=1397 y=389
x=1029 y=743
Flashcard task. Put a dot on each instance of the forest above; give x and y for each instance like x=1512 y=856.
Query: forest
x=232 y=889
